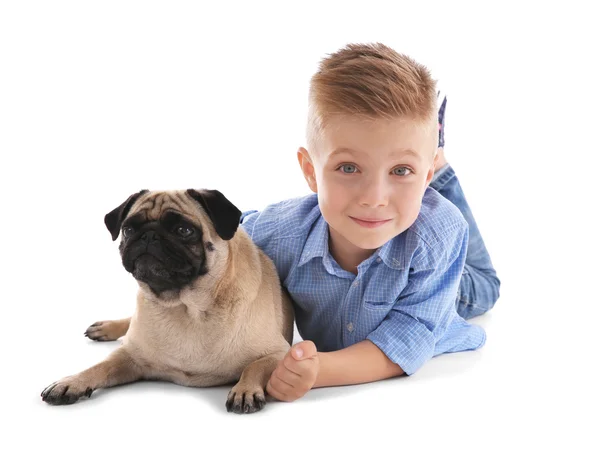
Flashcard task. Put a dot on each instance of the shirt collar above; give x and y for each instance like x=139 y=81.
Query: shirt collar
x=317 y=243
x=391 y=252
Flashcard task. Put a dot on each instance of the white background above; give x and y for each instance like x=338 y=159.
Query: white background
x=101 y=99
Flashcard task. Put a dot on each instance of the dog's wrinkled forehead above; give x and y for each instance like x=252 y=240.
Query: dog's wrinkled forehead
x=152 y=206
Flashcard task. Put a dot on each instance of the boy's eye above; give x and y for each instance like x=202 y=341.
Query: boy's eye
x=347 y=168
x=401 y=171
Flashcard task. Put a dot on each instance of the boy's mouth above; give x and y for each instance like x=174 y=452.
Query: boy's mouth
x=370 y=223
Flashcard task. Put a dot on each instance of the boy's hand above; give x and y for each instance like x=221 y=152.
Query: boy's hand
x=296 y=373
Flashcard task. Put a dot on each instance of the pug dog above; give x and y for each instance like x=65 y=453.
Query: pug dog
x=210 y=307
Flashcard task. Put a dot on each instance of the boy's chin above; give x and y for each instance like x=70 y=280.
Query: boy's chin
x=374 y=239
x=370 y=243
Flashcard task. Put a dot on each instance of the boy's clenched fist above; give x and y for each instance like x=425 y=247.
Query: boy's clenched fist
x=296 y=373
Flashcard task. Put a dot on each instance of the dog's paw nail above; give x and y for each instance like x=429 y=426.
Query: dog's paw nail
x=64 y=393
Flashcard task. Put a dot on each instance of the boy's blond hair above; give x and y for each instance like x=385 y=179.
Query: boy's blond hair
x=371 y=81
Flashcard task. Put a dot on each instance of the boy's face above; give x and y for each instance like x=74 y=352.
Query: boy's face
x=370 y=177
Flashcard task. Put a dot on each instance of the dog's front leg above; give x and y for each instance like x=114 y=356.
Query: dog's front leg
x=248 y=395
x=118 y=368
x=108 y=330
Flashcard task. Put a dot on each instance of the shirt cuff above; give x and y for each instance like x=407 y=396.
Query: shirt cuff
x=405 y=341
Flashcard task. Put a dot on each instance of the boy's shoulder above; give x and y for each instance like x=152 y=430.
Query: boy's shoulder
x=436 y=235
x=288 y=218
x=281 y=229
x=296 y=209
x=439 y=219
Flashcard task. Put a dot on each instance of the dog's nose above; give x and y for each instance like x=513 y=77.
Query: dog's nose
x=149 y=237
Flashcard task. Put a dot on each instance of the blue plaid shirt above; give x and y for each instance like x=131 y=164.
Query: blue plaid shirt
x=403 y=297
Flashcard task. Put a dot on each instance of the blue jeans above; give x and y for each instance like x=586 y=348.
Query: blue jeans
x=479 y=286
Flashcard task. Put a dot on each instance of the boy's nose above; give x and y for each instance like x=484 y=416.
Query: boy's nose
x=374 y=194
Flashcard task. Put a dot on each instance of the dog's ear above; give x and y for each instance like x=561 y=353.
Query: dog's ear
x=224 y=215
x=115 y=218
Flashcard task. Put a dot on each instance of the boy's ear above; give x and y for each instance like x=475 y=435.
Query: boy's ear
x=308 y=170
x=431 y=170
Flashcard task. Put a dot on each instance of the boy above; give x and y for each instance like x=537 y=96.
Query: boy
x=375 y=259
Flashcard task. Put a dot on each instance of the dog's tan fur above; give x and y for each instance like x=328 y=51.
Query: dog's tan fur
x=233 y=323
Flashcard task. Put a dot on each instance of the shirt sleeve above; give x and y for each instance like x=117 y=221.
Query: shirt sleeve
x=424 y=309
x=261 y=227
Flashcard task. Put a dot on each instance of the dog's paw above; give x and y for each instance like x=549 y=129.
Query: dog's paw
x=108 y=330
x=65 y=391
x=243 y=399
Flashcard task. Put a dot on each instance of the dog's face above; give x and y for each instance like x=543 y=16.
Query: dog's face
x=166 y=236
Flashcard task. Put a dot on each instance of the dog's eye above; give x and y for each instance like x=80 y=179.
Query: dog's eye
x=128 y=231
x=184 y=231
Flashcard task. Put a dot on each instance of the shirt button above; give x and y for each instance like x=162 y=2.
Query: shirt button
x=350 y=327
x=355 y=284
x=378 y=260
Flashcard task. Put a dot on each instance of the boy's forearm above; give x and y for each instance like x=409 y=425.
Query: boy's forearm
x=360 y=363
